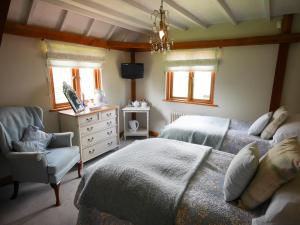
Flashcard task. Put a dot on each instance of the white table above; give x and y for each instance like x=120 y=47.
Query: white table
x=140 y=131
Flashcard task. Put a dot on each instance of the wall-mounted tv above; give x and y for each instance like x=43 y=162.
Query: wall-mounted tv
x=132 y=70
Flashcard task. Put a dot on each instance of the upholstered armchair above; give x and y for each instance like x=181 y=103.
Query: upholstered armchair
x=36 y=166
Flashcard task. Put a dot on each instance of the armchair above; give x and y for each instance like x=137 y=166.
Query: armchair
x=43 y=166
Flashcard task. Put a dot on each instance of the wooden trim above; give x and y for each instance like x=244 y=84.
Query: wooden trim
x=76 y=81
x=4 y=7
x=191 y=86
x=98 y=83
x=52 y=34
x=195 y=102
x=280 y=69
x=153 y=133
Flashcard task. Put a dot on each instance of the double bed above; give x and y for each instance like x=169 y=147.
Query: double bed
x=201 y=202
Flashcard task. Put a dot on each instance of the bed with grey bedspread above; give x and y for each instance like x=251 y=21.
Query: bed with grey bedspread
x=231 y=138
x=202 y=202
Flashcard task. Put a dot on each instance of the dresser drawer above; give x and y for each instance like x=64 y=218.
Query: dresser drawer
x=99 y=126
x=97 y=137
x=108 y=114
x=88 y=119
x=99 y=149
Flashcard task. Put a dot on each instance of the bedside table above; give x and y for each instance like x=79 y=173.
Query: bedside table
x=140 y=131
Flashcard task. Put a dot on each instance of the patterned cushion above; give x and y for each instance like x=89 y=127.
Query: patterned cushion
x=278 y=166
x=33 y=133
x=279 y=116
x=27 y=146
x=258 y=126
x=240 y=171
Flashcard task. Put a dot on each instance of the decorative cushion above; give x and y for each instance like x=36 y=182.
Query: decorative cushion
x=27 y=146
x=258 y=126
x=279 y=116
x=60 y=157
x=290 y=128
x=279 y=165
x=33 y=133
x=240 y=171
x=284 y=207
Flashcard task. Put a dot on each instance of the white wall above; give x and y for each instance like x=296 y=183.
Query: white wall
x=243 y=85
x=23 y=79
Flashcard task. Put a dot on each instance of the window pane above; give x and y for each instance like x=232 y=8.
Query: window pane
x=87 y=82
x=180 y=84
x=202 y=85
x=61 y=74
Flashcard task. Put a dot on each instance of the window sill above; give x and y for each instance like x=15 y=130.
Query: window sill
x=194 y=102
x=60 y=109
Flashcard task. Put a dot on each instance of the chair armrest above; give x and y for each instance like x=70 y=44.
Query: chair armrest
x=60 y=140
x=28 y=166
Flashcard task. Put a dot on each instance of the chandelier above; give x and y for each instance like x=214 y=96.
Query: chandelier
x=159 y=38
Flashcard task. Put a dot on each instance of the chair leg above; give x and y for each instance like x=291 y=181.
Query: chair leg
x=16 y=190
x=79 y=167
x=56 y=191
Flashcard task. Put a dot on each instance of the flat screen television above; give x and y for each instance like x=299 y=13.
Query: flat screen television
x=132 y=70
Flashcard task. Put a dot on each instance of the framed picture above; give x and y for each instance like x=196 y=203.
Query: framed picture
x=73 y=99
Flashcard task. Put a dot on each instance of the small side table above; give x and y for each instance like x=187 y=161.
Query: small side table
x=140 y=131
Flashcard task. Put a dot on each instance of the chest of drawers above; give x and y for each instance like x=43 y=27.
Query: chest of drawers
x=95 y=132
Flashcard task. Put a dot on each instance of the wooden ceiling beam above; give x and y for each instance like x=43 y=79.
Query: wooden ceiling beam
x=52 y=34
x=186 y=14
x=224 y=8
x=32 y=7
x=4 y=7
x=63 y=20
x=147 y=11
x=90 y=26
x=120 y=22
x=267 y=5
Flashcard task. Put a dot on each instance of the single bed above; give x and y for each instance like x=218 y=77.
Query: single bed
x=202 y=201
x=228 y=135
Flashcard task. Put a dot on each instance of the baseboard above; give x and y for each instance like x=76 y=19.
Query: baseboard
x=6 y=180
x=153 y=133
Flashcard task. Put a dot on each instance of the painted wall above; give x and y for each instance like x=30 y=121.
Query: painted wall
x=23 y=79
x=242 y=89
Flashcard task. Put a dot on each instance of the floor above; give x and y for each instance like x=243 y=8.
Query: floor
x=35 y=202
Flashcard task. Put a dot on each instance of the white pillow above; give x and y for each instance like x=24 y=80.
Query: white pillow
x=240 y=172
x=290 y=128
x=284 y=207
x=259 y=125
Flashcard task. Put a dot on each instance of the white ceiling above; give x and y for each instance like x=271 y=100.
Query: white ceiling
x=129 y=20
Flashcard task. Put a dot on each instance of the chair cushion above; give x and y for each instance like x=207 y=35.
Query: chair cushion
x=258 y=126
x=240 y=171
x=278 y=166
x=32 y=133
x=58 y=158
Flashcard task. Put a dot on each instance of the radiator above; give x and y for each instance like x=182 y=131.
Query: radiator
x=176 y=115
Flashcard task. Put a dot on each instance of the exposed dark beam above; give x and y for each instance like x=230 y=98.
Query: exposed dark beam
x=280 y=69
x=4 y=7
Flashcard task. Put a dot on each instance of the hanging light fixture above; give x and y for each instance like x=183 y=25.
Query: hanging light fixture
x=159 y=38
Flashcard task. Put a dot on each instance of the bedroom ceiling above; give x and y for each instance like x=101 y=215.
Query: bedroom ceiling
x=129 y=20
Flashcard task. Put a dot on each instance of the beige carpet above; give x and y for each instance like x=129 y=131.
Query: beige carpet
x=35 y=202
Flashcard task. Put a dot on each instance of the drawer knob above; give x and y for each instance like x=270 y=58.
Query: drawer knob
x=108 y=114
x=89 y=119
x=109 y=132
x=90 y=139
x=91 y=151
x=109 y=123
x=89 y=128
x=109 y=143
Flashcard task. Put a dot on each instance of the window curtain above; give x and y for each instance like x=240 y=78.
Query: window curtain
x=62 y=54
x=193 y=59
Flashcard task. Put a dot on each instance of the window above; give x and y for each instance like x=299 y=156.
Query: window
x=83 y=80
x=195 y=87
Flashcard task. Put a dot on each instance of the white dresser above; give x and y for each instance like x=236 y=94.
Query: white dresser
x=95 y=132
